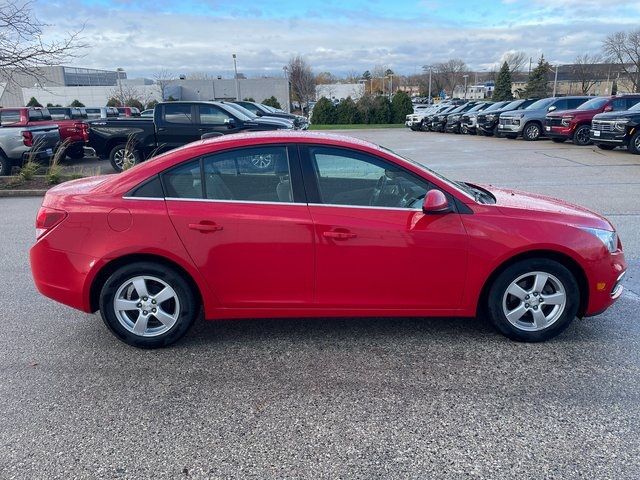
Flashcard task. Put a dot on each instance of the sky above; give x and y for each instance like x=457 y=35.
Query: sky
x=339 y=36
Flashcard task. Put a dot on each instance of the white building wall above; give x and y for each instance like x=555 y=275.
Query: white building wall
x=340 y=91
x=89 y=96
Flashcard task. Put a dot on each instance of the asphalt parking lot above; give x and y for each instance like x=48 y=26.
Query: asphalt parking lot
x=366 y=398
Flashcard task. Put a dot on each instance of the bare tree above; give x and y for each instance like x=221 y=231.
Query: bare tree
x=163 y=80
x=623 y=48
x=303 y=85
x=586 y=70
x=450 y=73
x=128 y=94
x=515 y=60
x=23 y=49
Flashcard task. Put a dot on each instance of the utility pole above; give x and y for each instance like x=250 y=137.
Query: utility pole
x=430 y=69
x=286 y=75
x=465 y=85
x=235 y=69
x=118 y=70
x=555 y=82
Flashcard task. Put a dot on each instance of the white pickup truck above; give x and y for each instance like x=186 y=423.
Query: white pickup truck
x=18 y=143
x=420 y=111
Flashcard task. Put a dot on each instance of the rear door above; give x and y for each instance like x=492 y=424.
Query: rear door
x=376 y=249
x=176 y=126
x=248 y=230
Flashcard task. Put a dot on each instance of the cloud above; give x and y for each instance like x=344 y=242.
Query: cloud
x=146 y=36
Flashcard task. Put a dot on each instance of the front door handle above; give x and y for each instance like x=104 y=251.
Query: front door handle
x=339 y=234
x=205 y=227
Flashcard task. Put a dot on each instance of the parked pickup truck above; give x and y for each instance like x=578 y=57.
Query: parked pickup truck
x=73 y=127
x=617 y=129
x=18 y=143
x=575 y=124
x=127 y=141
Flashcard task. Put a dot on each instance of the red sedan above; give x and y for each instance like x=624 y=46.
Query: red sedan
x=302 y=225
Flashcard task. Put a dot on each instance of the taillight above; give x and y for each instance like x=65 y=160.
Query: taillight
x=27 y=138
x=84 y=129
x=47 y=219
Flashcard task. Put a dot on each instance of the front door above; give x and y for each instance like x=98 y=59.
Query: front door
x=247 y=230
x=375 y=246
x=213 y=119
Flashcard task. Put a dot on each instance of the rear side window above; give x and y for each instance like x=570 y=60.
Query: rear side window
x=59 y=113
x=575 y=102
x=9 y=117
x=561 y=104
x=152 y=188
x=179 y=113
x=183 y=181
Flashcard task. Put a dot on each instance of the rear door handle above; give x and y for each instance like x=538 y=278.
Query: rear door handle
x=205 y=227
x=339 y=234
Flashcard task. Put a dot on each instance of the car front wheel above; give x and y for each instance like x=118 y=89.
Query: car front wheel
x=634 y=143
x=148 y=305
x=581 y=136
x=531 y=132
x=533 y=300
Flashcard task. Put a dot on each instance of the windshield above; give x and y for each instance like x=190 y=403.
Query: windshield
x=540 y=104
x=513 y=105
x=478 y=107
x=594 y=103
x=635 y=107
x=240 y=112
x=495 y=106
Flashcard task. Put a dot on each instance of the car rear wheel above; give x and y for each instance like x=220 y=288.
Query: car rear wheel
x=634 y=143
x=75 y=153
x=123 y=157
x=533 y=300
x=581 y=136
x=5 y=165
x=148 y=305
x=531 y=132
x=604 y=146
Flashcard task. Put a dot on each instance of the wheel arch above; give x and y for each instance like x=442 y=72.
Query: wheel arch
x=107 y=269
x=562 y=258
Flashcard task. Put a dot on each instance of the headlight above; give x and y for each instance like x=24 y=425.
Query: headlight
x=610 y=239
x=516 y=121
x=491 y=118
x=566 y=121
x=620 y=125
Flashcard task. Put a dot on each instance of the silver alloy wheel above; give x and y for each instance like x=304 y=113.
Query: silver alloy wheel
x=533 y=131
x=534 y=301
x=123 y=157
x=636 y=143
x=146 y=306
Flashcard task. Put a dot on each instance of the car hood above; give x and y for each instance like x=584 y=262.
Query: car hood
x=514 y=202
x=575 y=112
x=272 y=121
x=618 y=114
x=525 y=113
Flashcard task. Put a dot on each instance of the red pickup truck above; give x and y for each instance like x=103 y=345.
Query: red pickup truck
x=72 y=125
x=575 y=124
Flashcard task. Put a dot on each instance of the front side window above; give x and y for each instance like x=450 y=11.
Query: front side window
x=252 y=174
x=561 y=104
x=356 y=179
x=178 y=113
x=212 y=115
x=250 y=106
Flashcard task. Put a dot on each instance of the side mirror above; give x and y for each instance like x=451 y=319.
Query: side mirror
x=435 y=202
x=230 y=122
x=259 y=113
x=608 y=108
x=552 y=108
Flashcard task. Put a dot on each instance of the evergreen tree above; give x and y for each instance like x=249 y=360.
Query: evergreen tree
x=381 y=112
x=324 y=113
x=401 y=106
x=538 y=84
x=272 y=101
x=503 y=85
x=151 y=104
x=113 y=102
x=33 y=103
x=347 y=112
x=365 y=108
x=76 y=103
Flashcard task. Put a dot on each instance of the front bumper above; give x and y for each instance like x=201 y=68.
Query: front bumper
x=510 y=128
x=611 y=138
x=556 y=131
x=452 y=127
x=605 y=282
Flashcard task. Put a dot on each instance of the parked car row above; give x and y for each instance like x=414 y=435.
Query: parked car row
x=607 y=122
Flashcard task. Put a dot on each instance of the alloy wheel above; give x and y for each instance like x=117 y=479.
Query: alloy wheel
x=533 y=132
x=124 y=158
x=146 y=306
x=582 y=135
x=534 y=301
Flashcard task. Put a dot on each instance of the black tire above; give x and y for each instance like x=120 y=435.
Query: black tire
x=496 y=132
x=604 y=146
x=634 y=143
x=532 y=131
x=498 y=294
x=558 y=140
x=120 y=154
x=581 y=136
x=187 y=312
x=5 y=165
x=75 y=153
x=413 y=129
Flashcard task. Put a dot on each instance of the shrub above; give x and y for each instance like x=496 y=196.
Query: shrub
x=152 y=104
x=33 y=103
x=381 y=112
x=365 y=108
x=347 y=112
x=272 y=102
x=113 y=102
x=401 y=106
x=324 y=112
x=250 y=99
x=134 y=102
x=76 y=103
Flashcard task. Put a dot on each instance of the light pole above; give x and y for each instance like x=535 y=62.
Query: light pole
x=118 y=70
x=285 y=69
x=555 y=81
x=430 y=69
x=235 y=69
x=465 y=85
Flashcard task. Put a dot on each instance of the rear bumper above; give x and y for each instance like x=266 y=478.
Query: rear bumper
x=61 y=276
x=40 y=156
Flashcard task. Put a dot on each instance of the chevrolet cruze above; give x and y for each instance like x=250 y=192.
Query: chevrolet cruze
x=334 y=227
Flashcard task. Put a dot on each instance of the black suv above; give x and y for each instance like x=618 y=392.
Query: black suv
x=266 y=111
x=616 y=129
x=439 y=121
x=488 y=121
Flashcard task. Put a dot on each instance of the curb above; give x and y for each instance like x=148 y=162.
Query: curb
x=22 y=193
